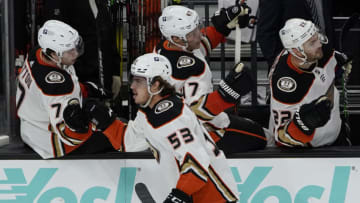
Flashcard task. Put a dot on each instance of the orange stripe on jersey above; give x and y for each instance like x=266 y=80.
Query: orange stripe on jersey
x=214 y=136
x=214 y=36
x=245 y=132
x=79 y=136
x=115 y=133
x=216 y=104
x=215 y=190
x=83 y=90
x=292 y=66
x=297 y=134
x=192 y=175
x=41 y=61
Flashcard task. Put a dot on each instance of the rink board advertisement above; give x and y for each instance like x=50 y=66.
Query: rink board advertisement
x=283 y=180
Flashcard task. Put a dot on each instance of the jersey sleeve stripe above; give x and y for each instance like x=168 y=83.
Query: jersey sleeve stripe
x=222 y=188
x=214 y=36
x=192 y=175
x=115 y=133
x=297 y=134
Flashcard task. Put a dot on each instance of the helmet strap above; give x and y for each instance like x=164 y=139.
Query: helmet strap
x=184 y=48
x=151 y=96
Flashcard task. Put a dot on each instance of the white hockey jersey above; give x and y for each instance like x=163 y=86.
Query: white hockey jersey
x=188 y=157
x=42 y=93
x=192 y=78
x=291 y=88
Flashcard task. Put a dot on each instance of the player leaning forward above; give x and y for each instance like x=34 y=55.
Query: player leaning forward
x=196 y=169
x=46 y=84
x=305 y=108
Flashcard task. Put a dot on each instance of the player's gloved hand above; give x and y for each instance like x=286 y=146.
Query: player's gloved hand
x=96 y=91
x=226 y=19
x=115 y=86
x=236 y=84
x=345 y=64
x=75 y=118
x=100 y=115
x=178 y=196
x=313 y=115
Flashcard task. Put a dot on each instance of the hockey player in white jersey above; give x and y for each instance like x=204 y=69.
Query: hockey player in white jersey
x=305 y=108
x=46 y=84
x=192 y=164
x=186 y=46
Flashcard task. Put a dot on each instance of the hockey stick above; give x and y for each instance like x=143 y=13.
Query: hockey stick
x=237 y=56
x=143 y=193
x=95 y=11
x=343 y=34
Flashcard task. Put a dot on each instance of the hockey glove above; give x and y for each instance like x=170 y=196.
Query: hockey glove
x=95 y=91
x=345 y=64
x=75 y=118
x=226 y=19
x=313 y=115
x=236 y=84
x=178 y=196
x=100 y=115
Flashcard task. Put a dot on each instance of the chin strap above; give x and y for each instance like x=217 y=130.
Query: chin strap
x=151 y=96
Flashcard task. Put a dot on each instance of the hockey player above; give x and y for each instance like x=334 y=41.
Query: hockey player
x=46 y=84
x=186 y=46
x=195 y=168
x=304 y=100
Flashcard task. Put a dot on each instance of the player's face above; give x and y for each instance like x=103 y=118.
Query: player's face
x=139 y=90
x=194 y=38
x=313 y=48
x=69 y=57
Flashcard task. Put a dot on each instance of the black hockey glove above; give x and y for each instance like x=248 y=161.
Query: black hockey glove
x=226 y=19
x=236 y=84
x=313 y=115
x=75 y=118
x=345 y=64
x=178 y=196
x=97 y=92
x=100 y=115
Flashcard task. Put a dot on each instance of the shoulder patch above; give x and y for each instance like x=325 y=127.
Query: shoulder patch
x=286 y=84
x=164 y=112
x=54 y=77
x=163 y=106
x=185 y=61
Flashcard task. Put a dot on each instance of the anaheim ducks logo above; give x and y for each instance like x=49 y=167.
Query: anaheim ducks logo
x=185 y=61
x=54 y=77
x=287 y=84
x=163 y=106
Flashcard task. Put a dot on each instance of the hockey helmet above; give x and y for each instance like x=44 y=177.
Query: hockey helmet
x=297 y=31
x=178 y=21
x=59 y=37
x=151 y=65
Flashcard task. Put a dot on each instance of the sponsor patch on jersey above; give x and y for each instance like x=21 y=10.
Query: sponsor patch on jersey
x=163 y=106
x=185 y=61
x=286 y=84
x=54 y=77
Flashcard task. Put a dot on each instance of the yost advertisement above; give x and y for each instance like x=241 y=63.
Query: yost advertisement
x=290 y=180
